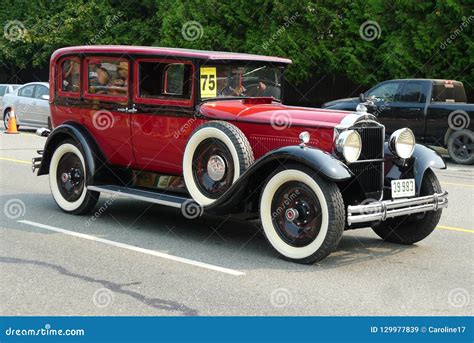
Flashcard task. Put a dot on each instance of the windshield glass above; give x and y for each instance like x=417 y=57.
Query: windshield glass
x=240 y=81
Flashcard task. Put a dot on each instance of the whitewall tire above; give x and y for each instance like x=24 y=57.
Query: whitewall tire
x=67 y=179
x=302 y=214
x=216 y=154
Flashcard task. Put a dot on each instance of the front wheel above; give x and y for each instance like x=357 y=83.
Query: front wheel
x=413 y=228
x=302 y=214
x=67 y=175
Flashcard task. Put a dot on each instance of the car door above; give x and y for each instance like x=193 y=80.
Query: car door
x=163 y=97
x=106 y=107
x=23 y=104
x=409 y=107
x=41 y=105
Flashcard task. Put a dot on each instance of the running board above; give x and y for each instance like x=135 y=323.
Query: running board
x=139 y=194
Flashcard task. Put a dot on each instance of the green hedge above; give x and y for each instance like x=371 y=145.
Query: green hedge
x=430 y=39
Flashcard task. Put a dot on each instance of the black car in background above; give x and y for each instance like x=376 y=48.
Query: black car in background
x=435 y=110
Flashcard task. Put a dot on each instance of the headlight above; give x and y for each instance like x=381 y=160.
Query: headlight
x=402 y=143
x=349 y=144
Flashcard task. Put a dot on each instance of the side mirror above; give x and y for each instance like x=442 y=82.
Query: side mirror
x=362 y=97
x=45 y=97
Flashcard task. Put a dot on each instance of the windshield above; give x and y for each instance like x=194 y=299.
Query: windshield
x=240 y=81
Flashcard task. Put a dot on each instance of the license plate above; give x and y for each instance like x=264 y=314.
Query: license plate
x=403 y=188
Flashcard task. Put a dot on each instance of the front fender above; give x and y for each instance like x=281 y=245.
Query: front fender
x=92 y=154
x=251 y=181
x=415 y=167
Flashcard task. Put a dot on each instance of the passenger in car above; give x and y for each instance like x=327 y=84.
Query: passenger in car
x=120 y=83
x=99 y=84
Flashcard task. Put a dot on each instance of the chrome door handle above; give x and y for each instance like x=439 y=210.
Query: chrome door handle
x=127 y=110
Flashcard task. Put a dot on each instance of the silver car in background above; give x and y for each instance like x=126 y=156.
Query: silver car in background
x=31 y=105
x=6 y=89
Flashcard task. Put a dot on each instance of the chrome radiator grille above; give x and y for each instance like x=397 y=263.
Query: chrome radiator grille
x=369 y=173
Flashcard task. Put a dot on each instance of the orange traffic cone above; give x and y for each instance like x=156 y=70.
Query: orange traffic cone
x=12 y=128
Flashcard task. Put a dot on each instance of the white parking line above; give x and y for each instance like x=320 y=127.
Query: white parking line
x=134 y=248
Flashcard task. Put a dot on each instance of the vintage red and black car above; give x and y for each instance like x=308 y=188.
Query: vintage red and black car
x=207 y=132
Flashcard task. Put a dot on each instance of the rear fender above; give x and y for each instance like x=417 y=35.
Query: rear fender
x=94 y=158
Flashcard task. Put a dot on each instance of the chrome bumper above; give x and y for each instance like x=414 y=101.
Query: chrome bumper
x=381 y=210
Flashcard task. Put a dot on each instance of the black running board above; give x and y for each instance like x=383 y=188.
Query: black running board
x=139 y=194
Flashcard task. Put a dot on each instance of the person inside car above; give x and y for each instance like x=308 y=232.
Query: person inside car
x=120 y=83
x=223 y=86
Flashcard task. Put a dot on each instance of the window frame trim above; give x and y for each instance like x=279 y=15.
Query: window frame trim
x=154 y=101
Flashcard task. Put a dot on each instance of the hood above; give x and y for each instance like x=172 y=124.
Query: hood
x=272 y=113
x=341 y=101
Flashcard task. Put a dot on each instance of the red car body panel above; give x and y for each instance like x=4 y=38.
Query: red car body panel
x=156 y=141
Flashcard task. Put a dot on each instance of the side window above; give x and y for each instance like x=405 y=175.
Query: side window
x=3 y=90
x=107 y=77
x=70 y=76
x=40 y=91
x=411 y=92
x=164 y=80
x=27 y=91
x=387 y=91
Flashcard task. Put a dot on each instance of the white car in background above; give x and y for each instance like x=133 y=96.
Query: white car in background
x=6 y=89
x=31 y=105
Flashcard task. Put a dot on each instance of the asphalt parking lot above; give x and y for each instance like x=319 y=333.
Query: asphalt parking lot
x=142 y=259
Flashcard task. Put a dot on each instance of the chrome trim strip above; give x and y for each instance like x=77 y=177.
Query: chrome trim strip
x=381 y=210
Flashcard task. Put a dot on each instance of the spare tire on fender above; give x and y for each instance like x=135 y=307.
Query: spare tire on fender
x=216 y=154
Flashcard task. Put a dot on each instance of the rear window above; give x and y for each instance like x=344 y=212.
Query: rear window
x=2 y=90
x=448 y=91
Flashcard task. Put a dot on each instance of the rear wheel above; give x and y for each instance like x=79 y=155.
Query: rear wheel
x=461 y=146
x=67 y=175
x=413 y=228
x=302 y=214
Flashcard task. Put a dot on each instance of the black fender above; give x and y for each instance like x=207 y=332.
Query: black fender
x=250 y=182
x=423 y=158
x=93 y=156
